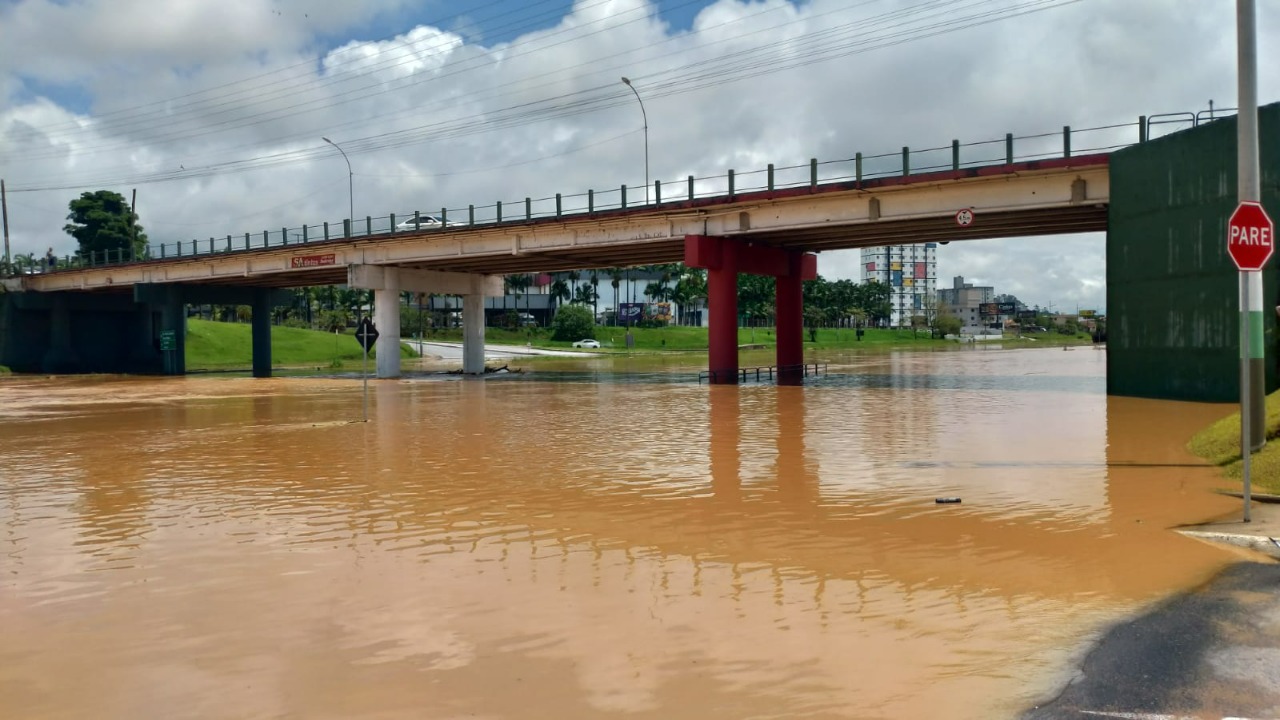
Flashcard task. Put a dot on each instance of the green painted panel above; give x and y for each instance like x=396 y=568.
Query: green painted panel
x=1172 y=290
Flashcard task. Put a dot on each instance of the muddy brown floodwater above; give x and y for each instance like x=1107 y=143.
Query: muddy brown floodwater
x=572 y=542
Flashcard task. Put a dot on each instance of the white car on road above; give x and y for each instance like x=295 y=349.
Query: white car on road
x=588 y=343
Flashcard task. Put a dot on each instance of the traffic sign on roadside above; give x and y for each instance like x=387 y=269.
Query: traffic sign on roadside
x=366 y=333
x=1251 y=236
x=964 y=217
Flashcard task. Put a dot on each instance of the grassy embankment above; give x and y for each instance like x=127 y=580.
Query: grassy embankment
x=223 y=346
x=1220 y=444
x=676 y=338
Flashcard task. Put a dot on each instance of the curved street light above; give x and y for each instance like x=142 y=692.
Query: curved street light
x=645 y=115
x=351 y=194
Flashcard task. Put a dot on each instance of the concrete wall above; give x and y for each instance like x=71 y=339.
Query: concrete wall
x=99 y=334
x=1172 y=290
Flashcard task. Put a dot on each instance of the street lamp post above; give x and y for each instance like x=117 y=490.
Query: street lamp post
x=351 y=193
x=644 y=115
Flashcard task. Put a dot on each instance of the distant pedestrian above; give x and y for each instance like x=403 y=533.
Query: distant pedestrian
x=49 y=260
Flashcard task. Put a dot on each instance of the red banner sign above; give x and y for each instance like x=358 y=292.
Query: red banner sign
x=309 y=261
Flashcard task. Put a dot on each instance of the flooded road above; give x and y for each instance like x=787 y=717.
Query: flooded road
x=573 y=543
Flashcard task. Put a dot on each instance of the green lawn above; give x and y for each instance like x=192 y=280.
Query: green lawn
x=695 y=338
x=221 y=346
x=1220 y=444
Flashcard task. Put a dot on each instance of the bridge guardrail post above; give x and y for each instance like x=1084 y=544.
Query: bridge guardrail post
x=393 y=223
x=857 y=167
x=228 y=243
x=591 y=201
x=499 y=212
x=211 y=250
x=528 y=209
x=690 y=187
x=1142 y=129
x=161 y=251
x=246 y=241
x=770 y=176
x=813 y=172
x=1066 y=141
x=346 y=228
x=284 y=236
x=266 y=239
x=305 y=239
x=955 y=154
x=624 y=197
x=444 y=218
x=906 y=161
x=1008 y=148
x=558 y=208
x=417 y=220
x=326 y=229
x=368 y=224
x=657 y=193
x=471 y=214
x=731 y=188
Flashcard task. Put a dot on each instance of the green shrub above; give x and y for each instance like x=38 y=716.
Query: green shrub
x=573 y=322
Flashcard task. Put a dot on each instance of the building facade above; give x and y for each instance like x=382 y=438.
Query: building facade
x=964 y=300
x=910 y=271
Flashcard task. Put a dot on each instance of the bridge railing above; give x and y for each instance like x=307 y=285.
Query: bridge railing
x=1010 y=149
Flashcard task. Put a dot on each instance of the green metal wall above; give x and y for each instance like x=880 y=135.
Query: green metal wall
x=1172 y=291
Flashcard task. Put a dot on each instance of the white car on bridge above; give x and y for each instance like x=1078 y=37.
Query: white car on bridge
x=427 y=222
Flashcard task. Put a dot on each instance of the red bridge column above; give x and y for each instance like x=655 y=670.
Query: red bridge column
x=723 y=259
x=789 y=303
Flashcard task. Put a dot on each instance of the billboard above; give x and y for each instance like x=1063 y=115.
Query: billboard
x=1088 y=313
x=1026 y=314
x=660 y=311
x=991 y=309
x=630 y=313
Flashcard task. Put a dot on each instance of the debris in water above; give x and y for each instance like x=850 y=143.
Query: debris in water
x=947 y=500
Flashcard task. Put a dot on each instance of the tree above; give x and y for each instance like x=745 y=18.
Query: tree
x=102 y=221
x=559 y=292
x=573 y=322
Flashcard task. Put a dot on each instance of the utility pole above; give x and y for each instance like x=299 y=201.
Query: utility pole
x=1252 y=379
x=4 y=212
x=133 y=221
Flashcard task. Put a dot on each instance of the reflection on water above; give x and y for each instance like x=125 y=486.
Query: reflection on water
x=561 y=544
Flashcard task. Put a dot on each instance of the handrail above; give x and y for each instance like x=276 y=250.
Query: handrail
x=815 y=174
x=768 y=371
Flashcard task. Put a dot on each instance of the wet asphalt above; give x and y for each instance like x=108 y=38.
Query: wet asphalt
x=1210 y=653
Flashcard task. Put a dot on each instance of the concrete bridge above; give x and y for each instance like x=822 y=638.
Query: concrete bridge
x=771 y=228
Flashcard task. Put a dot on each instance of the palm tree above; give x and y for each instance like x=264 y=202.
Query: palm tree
x=559 y=291
x=573 y=276
x=595 y=294
x=615 y=279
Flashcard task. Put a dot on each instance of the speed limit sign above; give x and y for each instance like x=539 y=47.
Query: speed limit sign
x=964 y=218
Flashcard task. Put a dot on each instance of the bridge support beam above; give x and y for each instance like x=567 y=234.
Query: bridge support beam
x=386 y=316
x=723 y=259
x=61 y=356
x=473 y=334
x=261 y=332
x=387 y=282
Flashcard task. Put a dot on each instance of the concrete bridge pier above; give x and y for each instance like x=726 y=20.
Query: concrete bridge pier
x=261 y=332
x=723 y=258
x=473 y=334
x=386 y=316
x=387 y=282
x=61 y=356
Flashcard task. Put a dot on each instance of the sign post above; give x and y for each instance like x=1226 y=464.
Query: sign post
x=1250 y=240
x=366 y=335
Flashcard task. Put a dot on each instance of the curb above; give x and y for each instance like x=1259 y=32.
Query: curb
x=1258 y=543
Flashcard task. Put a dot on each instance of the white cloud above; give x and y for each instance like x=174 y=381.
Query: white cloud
x=427 y=118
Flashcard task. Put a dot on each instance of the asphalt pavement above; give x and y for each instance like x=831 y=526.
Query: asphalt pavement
x=1213 y=652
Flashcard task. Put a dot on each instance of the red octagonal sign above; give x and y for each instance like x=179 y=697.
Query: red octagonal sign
x=1251 y=236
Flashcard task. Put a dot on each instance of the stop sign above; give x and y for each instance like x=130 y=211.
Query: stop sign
x=1250 y=236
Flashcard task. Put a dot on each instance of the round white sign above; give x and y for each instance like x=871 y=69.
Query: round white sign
x=964 y=218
